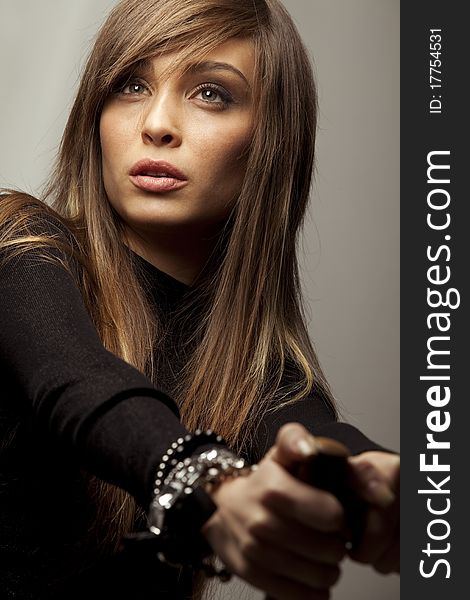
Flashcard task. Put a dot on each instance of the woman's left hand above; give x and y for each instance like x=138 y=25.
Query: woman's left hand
x=376 y=479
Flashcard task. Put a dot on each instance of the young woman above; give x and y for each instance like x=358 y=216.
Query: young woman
x=158 y=301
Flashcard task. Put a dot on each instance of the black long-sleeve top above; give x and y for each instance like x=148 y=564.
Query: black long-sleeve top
x=68 y=405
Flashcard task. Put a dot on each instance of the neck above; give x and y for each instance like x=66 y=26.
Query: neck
x=180 y=256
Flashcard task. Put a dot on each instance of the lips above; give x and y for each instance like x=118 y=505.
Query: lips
x=157 y=168
x=156 y=176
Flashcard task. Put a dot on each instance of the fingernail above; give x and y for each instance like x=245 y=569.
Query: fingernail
x=381 y=492
x=306 y=446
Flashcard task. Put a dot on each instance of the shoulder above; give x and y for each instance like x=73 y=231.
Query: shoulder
x=23 y=213
x=26 y=220
x=29 y=227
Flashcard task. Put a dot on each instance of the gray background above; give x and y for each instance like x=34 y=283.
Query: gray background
x=350 y=250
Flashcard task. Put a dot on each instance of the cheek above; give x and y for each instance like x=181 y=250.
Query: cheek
x=225 y=155
x=106 y=141
x=114 y=136
x=112 y=141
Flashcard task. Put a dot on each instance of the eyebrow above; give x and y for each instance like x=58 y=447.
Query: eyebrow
x=211 y=65
x=199 y=67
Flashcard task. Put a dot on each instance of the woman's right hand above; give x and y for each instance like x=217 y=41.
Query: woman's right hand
x=278 y=533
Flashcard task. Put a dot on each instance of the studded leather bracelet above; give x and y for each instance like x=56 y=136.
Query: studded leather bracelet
x=181 y=503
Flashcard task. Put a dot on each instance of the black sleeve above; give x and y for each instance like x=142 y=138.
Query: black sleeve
x=103 y=412
x=315 y=415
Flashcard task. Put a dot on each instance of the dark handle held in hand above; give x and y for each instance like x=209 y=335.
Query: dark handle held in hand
x=328 y=470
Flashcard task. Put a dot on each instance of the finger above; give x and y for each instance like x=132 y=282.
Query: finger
x=301 y=541
x=290 y=498
x=293 y=444
x=229 y=547
x=369 y=483
x=279 y=587
x=389 y=562
x=287 y=564
x=377 y=536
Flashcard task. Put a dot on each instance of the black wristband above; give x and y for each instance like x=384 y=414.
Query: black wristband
x=181 y=506
x=184 y=543
x=181 y=503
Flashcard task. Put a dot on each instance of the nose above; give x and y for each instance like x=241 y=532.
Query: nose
x=160 y=125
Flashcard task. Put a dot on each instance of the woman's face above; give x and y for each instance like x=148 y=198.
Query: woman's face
x=200 y=123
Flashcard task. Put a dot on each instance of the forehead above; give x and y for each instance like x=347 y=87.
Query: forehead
x=237 y=53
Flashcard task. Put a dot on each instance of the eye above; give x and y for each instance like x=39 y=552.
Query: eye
x=133 y=88
x=209 y=93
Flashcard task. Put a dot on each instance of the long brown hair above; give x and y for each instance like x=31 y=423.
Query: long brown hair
x=234 y=374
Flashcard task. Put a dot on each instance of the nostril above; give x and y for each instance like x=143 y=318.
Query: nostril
x=167 y=138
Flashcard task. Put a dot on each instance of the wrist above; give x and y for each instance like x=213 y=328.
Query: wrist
x=220 y=495
x=189 y=473
x=201 y=472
